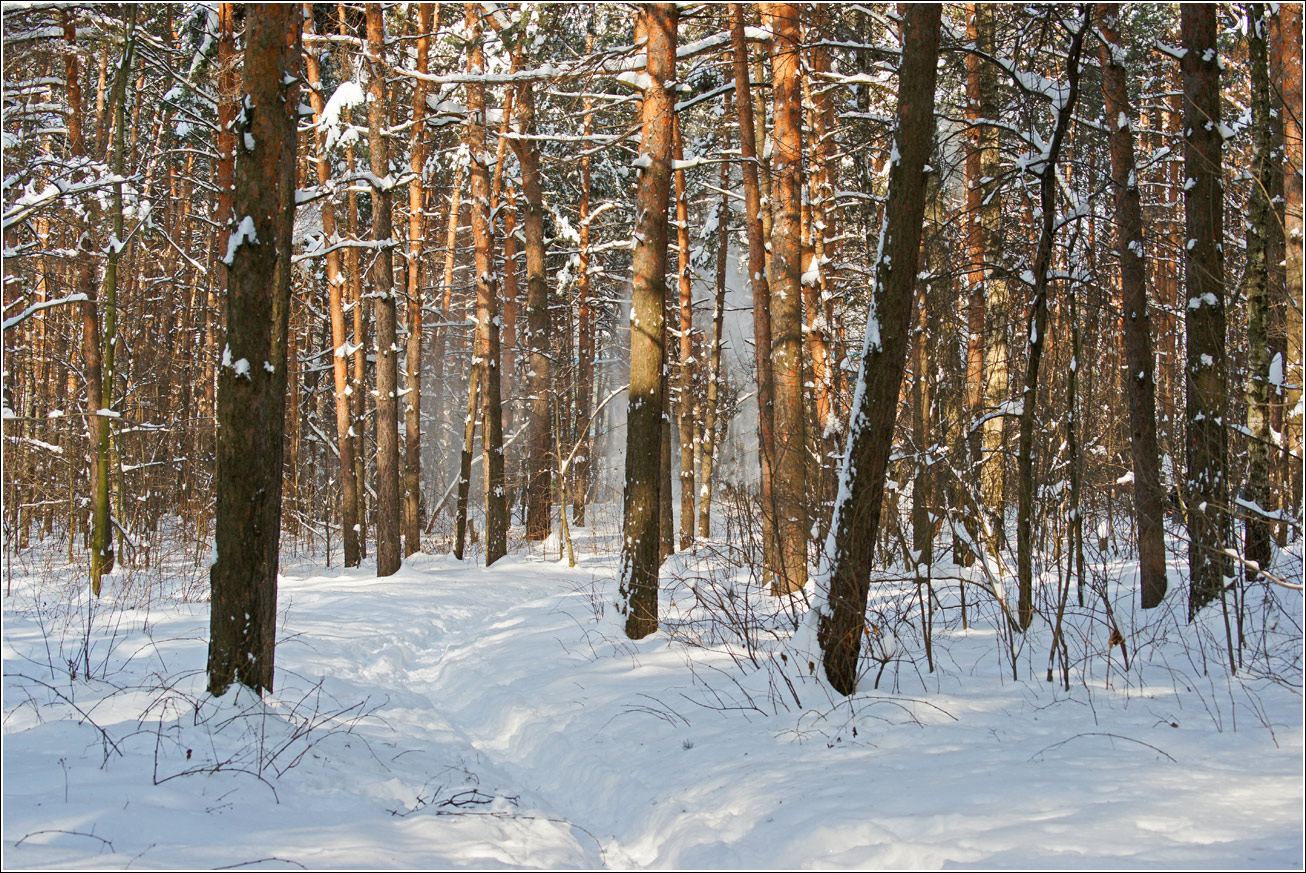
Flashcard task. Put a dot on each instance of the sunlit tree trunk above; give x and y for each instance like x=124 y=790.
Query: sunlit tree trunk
x=585 y=346
x=996 y=290
x=757 y=221
x=339 y=340
x=1262 y=229
x=790 y=470
x=980 y=94
x=708 y=443
x=412 y=509
x=1285 y=73
x=638 y=574
x=387 y=349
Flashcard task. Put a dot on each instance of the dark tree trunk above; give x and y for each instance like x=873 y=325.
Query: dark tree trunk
x=1036 y=337
x=1264 y=236
x=856 y=521
x=638 y=574
x=252 y=382
x=1148 y=503
x=1207 y=486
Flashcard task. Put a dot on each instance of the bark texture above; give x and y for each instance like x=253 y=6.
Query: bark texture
x=487 y=304
x=856 y=522
x=388 y=545
x=1037 y=335
x=790 y=482
x=638 y=576
x=1207 y=485
x=1148 y=502
x=252 y=381
x=345 y=447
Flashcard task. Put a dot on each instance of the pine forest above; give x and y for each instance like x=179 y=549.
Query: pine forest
x=687 y=435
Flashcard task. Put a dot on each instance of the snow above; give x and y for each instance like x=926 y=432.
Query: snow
x=457 y=716
x=1276 y=370
x=245 y=232
x=637 y=80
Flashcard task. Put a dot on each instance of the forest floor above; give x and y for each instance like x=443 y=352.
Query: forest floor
x=453 y=716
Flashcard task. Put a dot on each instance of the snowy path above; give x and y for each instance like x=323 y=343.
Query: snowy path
x=513 y=728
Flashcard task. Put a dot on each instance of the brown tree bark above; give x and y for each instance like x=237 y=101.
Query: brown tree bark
x=981 y=93
x=487 y=301
x=757 y=222
x=412 y=509
x=818 y=292
x=790 y=482
x=1207 y=486
x=688 y=366
x=97 y=426
x=1036 y=337
x=1264 y=236
x=1148 y=500
x=708 y=442
x=1285 y=73
x=638 y=575
x=349 y=521
x=996 y=290
x=585 y=344
x=856 y=520
x=539 y=461
x=388 y=545
x=252 y=389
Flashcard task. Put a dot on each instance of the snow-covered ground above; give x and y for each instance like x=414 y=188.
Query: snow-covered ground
x=454 y=716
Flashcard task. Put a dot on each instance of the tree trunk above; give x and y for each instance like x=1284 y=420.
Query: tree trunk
x=757 y=224
x=487 y=302
x=1207 y=486
x=387 y=349
x=709 y=441
x=585 y=346
x=349 y=522
x=412 y=510
x=1038 y=319
x=856 y=521
x=539 y=464
x=786 y=303
x=688 y=366
x=1148 y=500
x=1286 y=195
x=638 y=575
x=1262 y=227
x=980 y=95
x=996 y=290
x=252 y=382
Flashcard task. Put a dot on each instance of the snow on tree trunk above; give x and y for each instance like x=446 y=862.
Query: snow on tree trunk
x=252 y=380
x=638 y=575
x=843 y=587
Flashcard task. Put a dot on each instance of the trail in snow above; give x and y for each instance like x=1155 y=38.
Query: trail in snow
x=454 y=716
